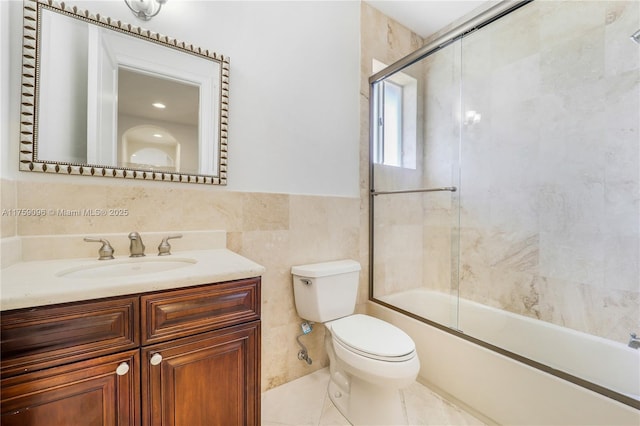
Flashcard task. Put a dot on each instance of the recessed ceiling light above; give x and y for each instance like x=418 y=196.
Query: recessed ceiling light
x=159 y=105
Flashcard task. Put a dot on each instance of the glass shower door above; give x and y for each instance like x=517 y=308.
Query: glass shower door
x=549 y=247
x=519 y=224
x=414 y=212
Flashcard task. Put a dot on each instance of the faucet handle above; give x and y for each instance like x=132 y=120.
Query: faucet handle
x=164 y=249
x=106 y=251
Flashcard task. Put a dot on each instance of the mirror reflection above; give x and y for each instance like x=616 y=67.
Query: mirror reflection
x=113 y=100
x=157 y=123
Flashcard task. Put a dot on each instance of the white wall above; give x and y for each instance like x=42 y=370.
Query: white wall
x=4 y=90
x=294 y=105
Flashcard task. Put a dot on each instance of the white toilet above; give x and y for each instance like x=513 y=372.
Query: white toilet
x=370 y=360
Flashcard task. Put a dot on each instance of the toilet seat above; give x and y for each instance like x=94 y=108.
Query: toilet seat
x=373 y=338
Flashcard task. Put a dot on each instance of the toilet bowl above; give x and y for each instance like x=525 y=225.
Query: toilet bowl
x=367 y=372
x=370 y=360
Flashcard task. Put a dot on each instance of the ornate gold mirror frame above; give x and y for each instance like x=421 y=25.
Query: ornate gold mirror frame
x=31 y=68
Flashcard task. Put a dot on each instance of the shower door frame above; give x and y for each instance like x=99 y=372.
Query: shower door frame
x=483 y=19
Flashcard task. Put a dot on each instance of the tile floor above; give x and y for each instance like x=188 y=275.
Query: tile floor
x=305 y=402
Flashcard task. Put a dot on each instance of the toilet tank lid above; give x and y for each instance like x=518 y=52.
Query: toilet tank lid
x=324 y=269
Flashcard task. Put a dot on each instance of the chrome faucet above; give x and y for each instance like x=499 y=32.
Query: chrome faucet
x=164 y=249
x=106 y=251
x=634 y=342
x=136 y=248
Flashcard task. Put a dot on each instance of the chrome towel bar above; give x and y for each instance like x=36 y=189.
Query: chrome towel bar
x=408 y=191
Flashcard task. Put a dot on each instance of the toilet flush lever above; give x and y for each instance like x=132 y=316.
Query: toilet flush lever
x=305 y=281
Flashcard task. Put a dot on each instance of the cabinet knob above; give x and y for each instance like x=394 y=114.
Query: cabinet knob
x=156 y=359
x=122 y=369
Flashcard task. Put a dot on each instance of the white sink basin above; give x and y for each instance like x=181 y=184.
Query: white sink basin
x=127 y=267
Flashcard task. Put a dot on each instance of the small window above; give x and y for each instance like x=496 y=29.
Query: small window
x=394 y=119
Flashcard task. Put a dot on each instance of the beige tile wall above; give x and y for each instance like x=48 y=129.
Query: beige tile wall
x=8 y=203
x=275 y=230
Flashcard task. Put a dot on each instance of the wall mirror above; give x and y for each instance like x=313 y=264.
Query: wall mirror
x=104 y=98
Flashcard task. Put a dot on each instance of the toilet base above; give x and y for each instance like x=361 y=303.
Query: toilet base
x=365 y=404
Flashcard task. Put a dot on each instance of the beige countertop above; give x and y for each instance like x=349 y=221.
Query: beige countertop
x=37 y=283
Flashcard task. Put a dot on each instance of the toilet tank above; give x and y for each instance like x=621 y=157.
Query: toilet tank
x=326 y=291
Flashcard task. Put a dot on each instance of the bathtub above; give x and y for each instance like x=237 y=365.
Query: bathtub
x=503 y=389
x=611 y=364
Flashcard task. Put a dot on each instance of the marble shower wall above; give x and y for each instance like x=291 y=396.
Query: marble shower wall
x=550 y=191
x=549 y=171
x=398 y=220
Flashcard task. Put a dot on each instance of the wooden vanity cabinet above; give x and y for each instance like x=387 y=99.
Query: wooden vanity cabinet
x=71 y=364
x=189 y=356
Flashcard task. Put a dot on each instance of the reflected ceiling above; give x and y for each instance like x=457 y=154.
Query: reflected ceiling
x=139 y=91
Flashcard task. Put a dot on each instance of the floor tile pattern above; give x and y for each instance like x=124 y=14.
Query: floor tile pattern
x=304 y=402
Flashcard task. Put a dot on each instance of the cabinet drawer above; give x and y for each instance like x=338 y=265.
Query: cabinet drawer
x=177 y=313
x=48 y=336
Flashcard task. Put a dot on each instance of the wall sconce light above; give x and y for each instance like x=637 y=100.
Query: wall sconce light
x=145 y=9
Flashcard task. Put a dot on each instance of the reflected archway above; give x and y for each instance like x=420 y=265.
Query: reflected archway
x=149 y=147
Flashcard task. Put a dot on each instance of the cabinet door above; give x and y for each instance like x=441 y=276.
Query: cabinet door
x=101 y=391
x=204 y=380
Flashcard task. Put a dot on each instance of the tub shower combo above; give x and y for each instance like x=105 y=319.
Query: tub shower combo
x=505 y=188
